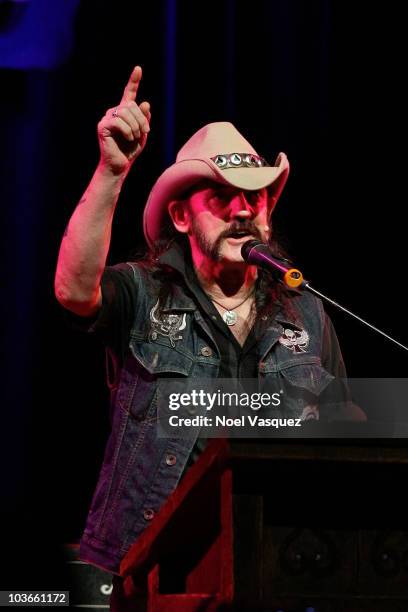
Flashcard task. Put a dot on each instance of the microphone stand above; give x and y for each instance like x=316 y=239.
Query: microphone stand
x=258 y=253
x=352 y=314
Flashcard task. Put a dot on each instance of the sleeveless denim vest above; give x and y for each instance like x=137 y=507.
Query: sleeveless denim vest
x=139 y=470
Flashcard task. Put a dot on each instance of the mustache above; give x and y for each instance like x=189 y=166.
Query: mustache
x=245 y=226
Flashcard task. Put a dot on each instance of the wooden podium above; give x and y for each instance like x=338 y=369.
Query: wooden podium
x=279 y=524
x=185 y=558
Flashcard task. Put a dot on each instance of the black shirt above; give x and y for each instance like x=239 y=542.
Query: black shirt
x=236 y=361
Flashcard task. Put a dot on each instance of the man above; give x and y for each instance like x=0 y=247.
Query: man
x=193 y=308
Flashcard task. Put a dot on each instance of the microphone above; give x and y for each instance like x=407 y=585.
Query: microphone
x=259 y=254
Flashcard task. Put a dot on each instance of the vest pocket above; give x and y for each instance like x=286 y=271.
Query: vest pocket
x=153 y=361
x=309 y=376
x=160 y=359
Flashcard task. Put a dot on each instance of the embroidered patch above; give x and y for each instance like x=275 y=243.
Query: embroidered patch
x=166 y=325
x=295 y=340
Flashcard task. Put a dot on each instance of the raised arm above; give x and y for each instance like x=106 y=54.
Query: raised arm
x=122 y=135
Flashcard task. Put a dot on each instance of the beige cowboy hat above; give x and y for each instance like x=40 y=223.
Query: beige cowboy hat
x=220 y=153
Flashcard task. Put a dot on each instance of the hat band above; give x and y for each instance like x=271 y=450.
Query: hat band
x=239 y=160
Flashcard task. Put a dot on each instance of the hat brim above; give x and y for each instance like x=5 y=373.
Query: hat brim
x=179 y=177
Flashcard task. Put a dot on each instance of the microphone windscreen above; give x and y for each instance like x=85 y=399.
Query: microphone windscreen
x=247 y=246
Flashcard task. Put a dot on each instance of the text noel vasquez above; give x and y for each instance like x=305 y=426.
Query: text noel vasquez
x=223 y=421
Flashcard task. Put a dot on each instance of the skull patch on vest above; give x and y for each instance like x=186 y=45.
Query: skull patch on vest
x=166 y=325
x=295 y=340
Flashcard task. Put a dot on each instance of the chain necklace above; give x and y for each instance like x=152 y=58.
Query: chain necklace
x=230 y=317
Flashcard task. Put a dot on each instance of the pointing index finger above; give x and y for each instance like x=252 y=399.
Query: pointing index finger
x=130 y=91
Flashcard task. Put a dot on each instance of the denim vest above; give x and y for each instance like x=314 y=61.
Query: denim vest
x=140 y=471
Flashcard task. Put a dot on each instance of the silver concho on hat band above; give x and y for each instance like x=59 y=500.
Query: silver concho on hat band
x=168 y=325
x=239 y=160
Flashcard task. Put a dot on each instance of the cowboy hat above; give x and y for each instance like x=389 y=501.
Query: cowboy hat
x=220 y=153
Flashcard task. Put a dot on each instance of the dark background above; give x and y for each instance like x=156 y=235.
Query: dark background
x=321 y=80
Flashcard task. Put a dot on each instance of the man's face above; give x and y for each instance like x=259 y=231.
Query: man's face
x=222 y=218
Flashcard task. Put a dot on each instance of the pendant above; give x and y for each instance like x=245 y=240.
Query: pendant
x=230 y=317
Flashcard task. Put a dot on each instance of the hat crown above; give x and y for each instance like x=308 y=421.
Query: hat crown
x=214 y=139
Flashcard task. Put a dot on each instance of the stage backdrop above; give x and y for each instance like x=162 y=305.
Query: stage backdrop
x=320 y=80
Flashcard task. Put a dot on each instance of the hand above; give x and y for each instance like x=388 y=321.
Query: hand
x=123 y=131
